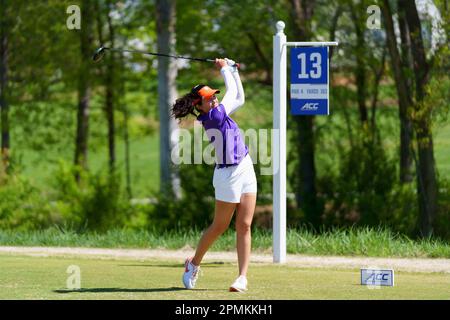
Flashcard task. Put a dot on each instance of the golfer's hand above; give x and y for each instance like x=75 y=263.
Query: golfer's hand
x=220 y=63
x=230 y=62
x=233 y=65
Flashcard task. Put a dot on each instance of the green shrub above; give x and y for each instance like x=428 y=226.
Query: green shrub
x=196 y=206
x=97 y=202
x=365 y=190
x=23 y=206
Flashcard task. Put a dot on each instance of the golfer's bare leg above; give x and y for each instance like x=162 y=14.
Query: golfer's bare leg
x=222 y=217
x=244 y=217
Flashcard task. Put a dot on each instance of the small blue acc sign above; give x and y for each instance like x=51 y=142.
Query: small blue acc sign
x=309 y=81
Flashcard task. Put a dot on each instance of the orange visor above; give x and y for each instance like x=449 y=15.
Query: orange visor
x=207 y=92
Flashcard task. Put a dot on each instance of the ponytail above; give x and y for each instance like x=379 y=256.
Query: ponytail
x=185 y=105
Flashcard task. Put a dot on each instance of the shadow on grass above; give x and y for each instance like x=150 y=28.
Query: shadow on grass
x=174 y=265
x=112 y=290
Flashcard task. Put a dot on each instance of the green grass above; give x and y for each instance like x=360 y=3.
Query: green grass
x=46 y=278
x=352 y=242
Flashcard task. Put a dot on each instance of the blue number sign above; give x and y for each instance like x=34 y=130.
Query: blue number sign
x=309 y=81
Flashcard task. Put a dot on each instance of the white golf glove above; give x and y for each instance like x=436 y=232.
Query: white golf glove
x=231 y=64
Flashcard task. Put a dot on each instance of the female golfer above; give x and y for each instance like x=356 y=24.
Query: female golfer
x=234 y=177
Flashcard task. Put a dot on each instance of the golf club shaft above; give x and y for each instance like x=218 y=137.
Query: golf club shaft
x=164 y=55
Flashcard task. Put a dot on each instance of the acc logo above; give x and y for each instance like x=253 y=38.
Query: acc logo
x=377 y=277
x=309 y=106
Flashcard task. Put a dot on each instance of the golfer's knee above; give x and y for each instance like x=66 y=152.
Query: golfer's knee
x=243 y=227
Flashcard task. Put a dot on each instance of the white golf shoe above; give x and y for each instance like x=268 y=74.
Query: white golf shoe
x=240 y=285
x=190 y=275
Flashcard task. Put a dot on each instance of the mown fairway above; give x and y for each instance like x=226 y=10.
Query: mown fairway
x=45 y=278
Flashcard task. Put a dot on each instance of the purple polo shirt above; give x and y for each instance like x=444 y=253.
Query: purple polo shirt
x=224 y=133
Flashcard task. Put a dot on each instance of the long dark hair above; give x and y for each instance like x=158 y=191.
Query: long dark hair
x=186 y=104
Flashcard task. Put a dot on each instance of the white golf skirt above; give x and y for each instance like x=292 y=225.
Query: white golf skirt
x=231 y=182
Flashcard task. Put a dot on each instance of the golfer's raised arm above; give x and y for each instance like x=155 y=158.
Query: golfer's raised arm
x=229 y=100
x=240 y=98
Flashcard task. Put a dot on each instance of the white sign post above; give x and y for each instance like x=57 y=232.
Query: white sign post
x=279 y=138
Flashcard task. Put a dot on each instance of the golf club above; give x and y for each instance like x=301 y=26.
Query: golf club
x=100 y=53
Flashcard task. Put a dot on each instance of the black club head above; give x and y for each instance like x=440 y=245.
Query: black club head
x=99 y=54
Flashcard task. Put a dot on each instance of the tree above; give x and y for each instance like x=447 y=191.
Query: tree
x=126 y=137
x=399 y=67
x=413 y=54
x=306 y=192
x=167 y=94
x=109 y=76
x=426 y=172
x=4 y=108
x=406 y=126
x=358 y=17
x=44 y=58
x=84 y=85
